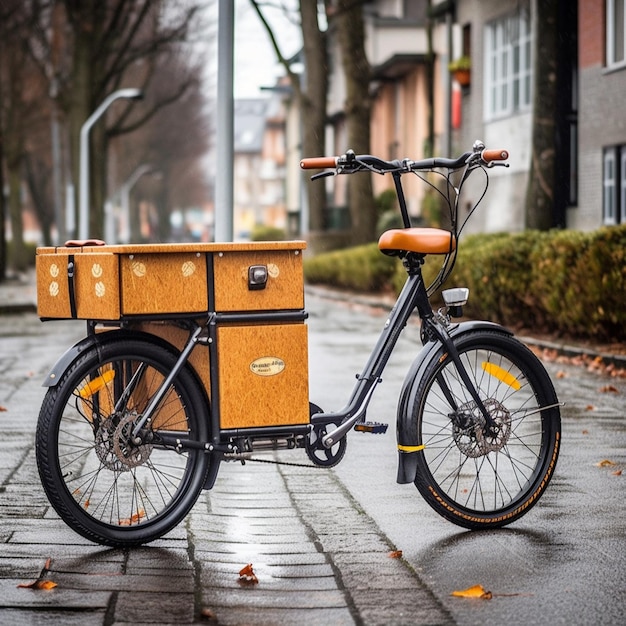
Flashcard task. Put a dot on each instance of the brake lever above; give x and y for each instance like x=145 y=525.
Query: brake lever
x=324 y=174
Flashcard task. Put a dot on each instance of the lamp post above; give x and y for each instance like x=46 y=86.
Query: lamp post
x=145 y=168
x=132 y=94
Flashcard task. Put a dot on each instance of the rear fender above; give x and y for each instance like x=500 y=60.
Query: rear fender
x=406 y=425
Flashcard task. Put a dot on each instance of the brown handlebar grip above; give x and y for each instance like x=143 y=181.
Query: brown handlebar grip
x=494 y=155
x=318 y=163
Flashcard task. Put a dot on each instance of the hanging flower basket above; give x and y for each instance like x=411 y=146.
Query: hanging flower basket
x=463 y=77
x=461 y=70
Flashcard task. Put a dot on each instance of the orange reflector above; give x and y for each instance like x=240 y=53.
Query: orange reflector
x=93 y=386
x=497 y=372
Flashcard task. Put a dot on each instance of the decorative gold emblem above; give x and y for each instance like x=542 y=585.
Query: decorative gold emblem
x=267 y=366
x=188 y=268
x=139 y=269
x=100 y=289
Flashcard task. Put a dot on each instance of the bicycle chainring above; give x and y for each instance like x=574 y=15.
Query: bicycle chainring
x=319 y=455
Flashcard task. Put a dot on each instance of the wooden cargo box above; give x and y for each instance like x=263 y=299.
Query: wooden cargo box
x=115 y=282
x=261 y=373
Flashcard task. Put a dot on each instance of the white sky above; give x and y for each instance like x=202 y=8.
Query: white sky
x=255 y=59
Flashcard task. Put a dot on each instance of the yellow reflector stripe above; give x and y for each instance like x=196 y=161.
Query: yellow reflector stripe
x=497 y=372
x=410 y=448
x=93 y=386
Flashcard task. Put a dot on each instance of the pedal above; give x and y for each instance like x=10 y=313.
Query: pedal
x=376 y=428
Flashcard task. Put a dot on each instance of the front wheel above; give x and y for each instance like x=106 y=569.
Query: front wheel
x=111 y=486
x=474 y=474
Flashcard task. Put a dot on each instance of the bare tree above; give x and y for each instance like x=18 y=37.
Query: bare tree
x=172 y=143
x=21 y=95
x=101 y=47
x=310 y=94
x=348 y=21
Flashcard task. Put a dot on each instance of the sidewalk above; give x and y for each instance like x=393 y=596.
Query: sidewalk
x=19 y=293
x=318 y=557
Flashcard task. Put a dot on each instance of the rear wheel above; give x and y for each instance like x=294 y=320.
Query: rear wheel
x=473 y=474
x=111 y=486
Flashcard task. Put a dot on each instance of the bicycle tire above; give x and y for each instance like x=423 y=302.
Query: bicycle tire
x=105 y=489
x=474 y=478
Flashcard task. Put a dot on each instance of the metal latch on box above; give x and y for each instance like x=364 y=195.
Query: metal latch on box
x=257 y=277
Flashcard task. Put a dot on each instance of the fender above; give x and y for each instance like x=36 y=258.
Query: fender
x=406 y=424
x=67 y=358
x=101 y=339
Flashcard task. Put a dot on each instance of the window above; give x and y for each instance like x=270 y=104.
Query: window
x=615 y=32
x=614 y=186
x=508 y=68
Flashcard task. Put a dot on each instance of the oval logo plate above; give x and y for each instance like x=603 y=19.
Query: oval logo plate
x=267 y=366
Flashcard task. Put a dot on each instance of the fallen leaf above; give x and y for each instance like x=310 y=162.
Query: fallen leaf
x=609 y=389
x=590 y=407
x=395 y=554
x=605 y=463
x=40 y=583
x=136 y=517
x=207 y=613
x=247 y=575
x=561 y=374
x=477 y=591
x=585 y=431
x=617 y=473
x=3 y=408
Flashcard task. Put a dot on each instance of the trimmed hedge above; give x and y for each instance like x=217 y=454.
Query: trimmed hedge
x=567 y=282
x=363 y=268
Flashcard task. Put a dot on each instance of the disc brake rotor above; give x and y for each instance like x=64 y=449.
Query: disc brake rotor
x=114 y=448
x=129 y=454
x=471 y=434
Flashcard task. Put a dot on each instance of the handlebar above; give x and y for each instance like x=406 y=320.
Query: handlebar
x=351 y=162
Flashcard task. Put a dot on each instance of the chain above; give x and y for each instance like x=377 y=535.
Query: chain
x=274 y=462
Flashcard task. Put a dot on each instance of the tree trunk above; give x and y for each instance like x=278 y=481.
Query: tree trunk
x=3 y=240
x=351 y=34
x=97 y=186
x=79 y=107
x=313 y=107
x=19 y=257
x=541 y=179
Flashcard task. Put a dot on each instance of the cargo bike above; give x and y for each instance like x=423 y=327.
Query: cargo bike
x=196 y=354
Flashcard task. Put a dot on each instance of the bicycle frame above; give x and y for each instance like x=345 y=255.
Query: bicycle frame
x=414 y=296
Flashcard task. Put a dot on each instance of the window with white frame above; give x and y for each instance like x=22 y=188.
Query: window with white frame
x=615 y=32
x=614 y=186
x=508 y=65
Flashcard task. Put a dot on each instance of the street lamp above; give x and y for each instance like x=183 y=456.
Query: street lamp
x=145 y=168
x=132 y=94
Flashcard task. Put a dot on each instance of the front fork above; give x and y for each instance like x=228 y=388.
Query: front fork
x=436 y=329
